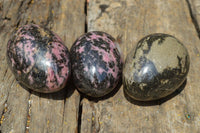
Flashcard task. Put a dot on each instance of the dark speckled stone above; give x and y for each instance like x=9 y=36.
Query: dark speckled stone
x=155 y=68
x=96 y=63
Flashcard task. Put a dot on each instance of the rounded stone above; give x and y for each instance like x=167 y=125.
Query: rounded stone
x=38 y=59
x=155 y=68
x=96 y=63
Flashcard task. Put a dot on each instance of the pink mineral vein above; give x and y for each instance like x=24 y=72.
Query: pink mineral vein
x=29 y=53
x=25 y=36
x=57 y=50
x=95 y=36
x=108 y=57
x=30 y=79
x=50 y=81
x=85 y=69
x=60 y=77
x=81 y=49
x=101 y=70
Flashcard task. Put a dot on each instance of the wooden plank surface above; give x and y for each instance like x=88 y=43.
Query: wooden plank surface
x=14 y=117
x=133 y=19
x=26 y=111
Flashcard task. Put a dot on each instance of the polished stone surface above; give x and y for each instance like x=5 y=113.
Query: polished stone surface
x=96 y=63
x=155 y=68
x=38 y=59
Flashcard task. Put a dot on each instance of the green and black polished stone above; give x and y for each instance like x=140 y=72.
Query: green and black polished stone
x=155 y=68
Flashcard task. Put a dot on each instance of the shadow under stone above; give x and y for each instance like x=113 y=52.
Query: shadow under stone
x=64 y=93
x=156 y=102
x=111 y=94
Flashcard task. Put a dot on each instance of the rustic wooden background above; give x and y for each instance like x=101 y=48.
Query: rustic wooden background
x=67 y=111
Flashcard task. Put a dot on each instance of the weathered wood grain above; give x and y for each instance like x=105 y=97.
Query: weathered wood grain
x=25 y=110
x=14 y=100
x=134 y=19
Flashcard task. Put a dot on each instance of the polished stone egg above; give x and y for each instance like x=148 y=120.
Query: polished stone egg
x=38 y=58
x=155 y=68
x=96 y=63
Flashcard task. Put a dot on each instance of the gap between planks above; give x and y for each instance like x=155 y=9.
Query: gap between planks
x=81 y=97
x=194 y=19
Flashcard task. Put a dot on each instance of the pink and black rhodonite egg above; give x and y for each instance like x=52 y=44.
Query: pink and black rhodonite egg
x=96 y=63
x=155 y=68
x=38 y=59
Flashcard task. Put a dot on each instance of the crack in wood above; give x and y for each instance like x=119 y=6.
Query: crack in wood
x=86 y=15
x=103 y=8
x=29 y=4
x=95 y=128
x=7 y=8
x=4 y=75
x=5 y=107
x=49 y=18
x=2 y=115
x=63 y=120
x=194 y=20
x=1 y=6
x=6 y=18
x=22 y=10
x=86 y=4
x=80 y=114
x=28 y=117
x=19 y=14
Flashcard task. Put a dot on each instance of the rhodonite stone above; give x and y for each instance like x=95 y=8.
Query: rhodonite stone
x=38 y=59
x=155 y=68
x=96 y=63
